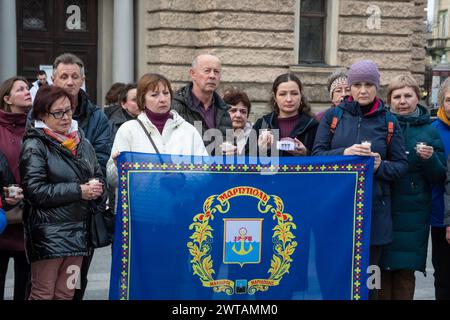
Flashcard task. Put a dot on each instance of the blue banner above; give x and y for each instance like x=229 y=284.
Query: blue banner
x=202 y=228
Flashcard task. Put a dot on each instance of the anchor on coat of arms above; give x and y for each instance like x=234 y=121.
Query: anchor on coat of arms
x=242 y=241
x=241 y=238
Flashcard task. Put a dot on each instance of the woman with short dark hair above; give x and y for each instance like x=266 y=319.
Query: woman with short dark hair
x=56 y=164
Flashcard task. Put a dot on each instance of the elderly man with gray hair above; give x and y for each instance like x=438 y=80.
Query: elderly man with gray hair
x=200 y=105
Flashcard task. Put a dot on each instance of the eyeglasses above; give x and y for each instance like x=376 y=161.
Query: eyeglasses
x=60 y=114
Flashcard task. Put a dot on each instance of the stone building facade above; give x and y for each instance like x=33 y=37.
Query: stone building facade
x=258 y=39
x=439 y=40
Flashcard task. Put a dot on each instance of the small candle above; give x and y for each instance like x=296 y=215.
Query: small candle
x=420 y=145
x=366 y=143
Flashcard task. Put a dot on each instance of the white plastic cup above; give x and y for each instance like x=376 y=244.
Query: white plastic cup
x=367 y=143
x=420 y=145
x=93 y=181
x=12 y=191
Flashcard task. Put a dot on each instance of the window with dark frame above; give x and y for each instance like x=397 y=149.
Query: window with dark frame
x=313 y=16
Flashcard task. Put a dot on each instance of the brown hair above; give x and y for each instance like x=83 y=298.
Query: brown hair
x=402 y=81
x=44 y=99
x=233 y=96
x=123 y=96
x=147 y=82
x=5 y=90
x=112 y=96
x=286 y=77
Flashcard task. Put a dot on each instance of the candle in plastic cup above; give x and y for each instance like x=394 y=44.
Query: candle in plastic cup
x=226 y=147
x=420 y=145
x=13 y=190
x=94 y=180
x=367 y=143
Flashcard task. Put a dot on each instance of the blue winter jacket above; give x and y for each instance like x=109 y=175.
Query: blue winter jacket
x=3 y=221
x=352 y=128
x=96 y=128
x=437 y=209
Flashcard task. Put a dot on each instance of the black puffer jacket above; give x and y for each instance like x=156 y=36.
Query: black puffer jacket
x=55 y=216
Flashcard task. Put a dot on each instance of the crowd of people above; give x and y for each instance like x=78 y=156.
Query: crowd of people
x=58 y=153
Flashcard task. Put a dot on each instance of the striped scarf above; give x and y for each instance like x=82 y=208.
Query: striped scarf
x=69 y=141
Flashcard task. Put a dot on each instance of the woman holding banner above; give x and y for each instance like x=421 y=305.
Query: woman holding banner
x=291 y=118
x=162 y=131
x=361 y=126
x=157 y=129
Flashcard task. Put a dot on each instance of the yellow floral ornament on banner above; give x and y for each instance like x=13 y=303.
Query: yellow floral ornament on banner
x=200 y=246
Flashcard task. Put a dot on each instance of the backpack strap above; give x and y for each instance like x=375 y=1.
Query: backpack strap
x=390 y=119
x=337 y=115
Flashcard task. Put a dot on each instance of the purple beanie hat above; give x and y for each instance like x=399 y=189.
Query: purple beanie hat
x=364 y=71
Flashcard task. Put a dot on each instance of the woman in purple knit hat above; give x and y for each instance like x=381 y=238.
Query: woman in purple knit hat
x=361 y=126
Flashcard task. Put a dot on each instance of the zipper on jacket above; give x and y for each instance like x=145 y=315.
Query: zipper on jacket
x=358 y=129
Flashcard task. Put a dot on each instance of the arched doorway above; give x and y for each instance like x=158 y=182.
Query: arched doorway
x=47 y=28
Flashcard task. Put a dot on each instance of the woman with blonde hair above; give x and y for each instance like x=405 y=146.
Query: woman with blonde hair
x=411 y=194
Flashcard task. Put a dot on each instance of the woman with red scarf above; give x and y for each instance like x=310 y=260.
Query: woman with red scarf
x=56 y=163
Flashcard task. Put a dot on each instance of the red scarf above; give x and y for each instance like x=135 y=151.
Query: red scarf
x=69 y=141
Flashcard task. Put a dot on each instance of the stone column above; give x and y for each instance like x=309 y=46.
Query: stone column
x=123 y=41
x=8 y=39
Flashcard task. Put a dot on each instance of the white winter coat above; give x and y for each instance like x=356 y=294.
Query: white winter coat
x=178 y=137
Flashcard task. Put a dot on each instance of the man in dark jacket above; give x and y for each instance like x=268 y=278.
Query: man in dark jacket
x=200 y=105
x=68 y=74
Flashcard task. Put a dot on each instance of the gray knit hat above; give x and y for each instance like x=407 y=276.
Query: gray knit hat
x=364 y=71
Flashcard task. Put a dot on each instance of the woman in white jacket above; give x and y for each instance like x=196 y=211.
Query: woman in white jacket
x=170 y=133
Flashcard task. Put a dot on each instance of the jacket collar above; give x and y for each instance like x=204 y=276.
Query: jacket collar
x=84 y=109
x=270 y=121
x=12 y=121
x=184 y=96
x=421 y=119
x=175 y=121
x=352 y=106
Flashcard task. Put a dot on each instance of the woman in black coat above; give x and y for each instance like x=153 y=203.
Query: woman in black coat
x=291 y=122
x=56 y=164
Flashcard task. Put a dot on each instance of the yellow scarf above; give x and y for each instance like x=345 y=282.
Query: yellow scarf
x=442 y=116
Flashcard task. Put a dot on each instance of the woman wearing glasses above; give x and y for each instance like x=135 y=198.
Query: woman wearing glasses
x=56 y=163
